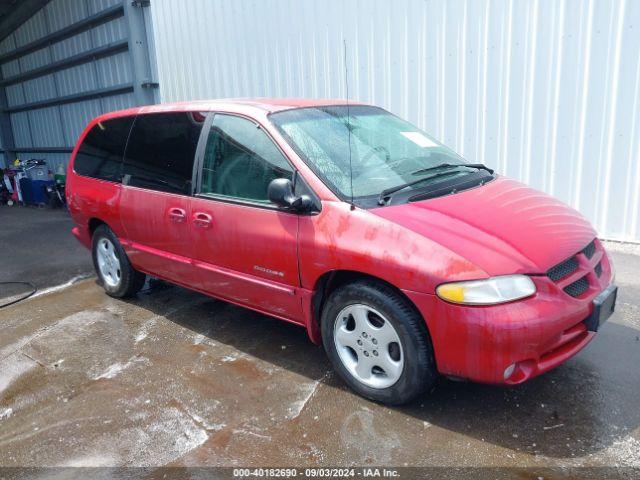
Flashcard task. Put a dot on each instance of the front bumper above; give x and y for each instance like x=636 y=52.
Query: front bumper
x=536 y=334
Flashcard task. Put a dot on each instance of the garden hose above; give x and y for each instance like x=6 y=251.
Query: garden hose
x=34 y=289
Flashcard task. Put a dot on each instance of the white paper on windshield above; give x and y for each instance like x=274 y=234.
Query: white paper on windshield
x=419 y=139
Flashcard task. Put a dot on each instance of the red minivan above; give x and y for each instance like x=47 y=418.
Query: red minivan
x=402 y=259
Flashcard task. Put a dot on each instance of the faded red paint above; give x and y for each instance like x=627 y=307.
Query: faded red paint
x=502 y=227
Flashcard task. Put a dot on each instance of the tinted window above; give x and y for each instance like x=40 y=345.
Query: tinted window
x=160 y=151
x=241 y=160
x=100 y=155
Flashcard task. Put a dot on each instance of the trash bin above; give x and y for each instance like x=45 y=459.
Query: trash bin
x=34 y=191
x=38 y=172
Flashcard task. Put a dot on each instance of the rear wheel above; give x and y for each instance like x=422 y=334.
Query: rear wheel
x=119 y=279
x=378 y=343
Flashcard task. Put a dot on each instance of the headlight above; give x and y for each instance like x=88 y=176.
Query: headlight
x=488 y=292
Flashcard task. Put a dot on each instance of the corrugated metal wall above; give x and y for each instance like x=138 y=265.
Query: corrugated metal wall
x=545 y=91
x=59 y=126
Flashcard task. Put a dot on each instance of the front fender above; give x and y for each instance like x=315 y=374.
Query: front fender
x=340 y=238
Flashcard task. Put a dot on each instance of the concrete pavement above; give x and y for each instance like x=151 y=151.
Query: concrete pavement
x=176 y=378
x=37 y=247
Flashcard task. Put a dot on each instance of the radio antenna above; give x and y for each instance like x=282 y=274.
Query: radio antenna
x=346 y=84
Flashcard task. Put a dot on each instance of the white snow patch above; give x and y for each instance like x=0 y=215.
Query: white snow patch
x=6 y=413
x=117 y=368
x=229 y=358
x=13 y=367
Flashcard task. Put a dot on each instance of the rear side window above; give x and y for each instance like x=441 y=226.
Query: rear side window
x=160 y=151
x=100 y=155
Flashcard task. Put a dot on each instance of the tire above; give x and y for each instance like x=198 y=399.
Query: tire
x=118 y=278
x=409 y=360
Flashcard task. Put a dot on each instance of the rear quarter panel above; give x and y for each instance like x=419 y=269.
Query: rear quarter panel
x=89 y=198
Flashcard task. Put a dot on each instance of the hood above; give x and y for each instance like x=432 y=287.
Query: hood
x=502 y=227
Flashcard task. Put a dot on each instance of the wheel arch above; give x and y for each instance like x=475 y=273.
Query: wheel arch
x=94 y=223
x=333 y=279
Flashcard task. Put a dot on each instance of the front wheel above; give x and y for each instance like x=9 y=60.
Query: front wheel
x=378 y=342
x=119 y=279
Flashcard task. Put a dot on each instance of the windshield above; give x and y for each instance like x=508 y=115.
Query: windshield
x=386 y=151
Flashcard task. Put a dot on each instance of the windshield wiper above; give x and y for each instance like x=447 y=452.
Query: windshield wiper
x=448 y=166
x=479 y=166
x=387 y=192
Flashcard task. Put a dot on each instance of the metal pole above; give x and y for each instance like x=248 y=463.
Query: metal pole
x=143 y=84
x=6 y=132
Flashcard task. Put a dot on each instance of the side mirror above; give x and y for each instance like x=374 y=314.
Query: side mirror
x=280 y=192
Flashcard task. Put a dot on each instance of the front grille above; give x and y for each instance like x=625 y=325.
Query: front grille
x=578 y=287
x=590 y=250
x=563 y=269
x=570 y=266
x=598 y=269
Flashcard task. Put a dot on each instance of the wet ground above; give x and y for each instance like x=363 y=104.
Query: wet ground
x=176 y=378
x=37 y=246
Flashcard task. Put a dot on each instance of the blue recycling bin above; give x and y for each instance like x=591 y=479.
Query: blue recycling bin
x=34 y=191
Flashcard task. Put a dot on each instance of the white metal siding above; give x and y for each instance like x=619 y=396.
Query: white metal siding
x=545 y=91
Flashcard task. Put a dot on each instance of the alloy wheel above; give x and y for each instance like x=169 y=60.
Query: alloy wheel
x=368 y=346
x=108 y=262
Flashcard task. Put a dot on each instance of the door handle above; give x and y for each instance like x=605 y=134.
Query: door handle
x=202 y=220
x=177 y=215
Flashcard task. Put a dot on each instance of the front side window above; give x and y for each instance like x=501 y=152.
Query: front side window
x=161 y=150
x=240 y=160
x=361 y=150
x=100 y=155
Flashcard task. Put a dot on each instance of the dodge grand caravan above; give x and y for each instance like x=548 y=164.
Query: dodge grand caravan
x=402 y=259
